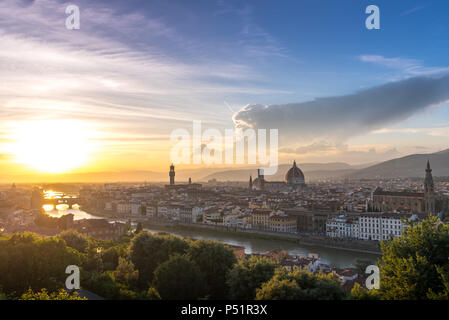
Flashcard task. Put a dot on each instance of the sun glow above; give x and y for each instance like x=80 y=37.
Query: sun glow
x=51 y=146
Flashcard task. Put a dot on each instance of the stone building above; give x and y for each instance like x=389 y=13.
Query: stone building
x=416 y=202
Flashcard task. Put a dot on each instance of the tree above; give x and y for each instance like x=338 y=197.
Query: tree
x=28 y=261
x=179 y=278
x=215 y=260
x=125 y=273
x=139 y=228
x=361 y=293
x=301 y=285
x=110 y=258
x=148 y=251
x=74 y=239
x=248 y=275
x=413 y=266
x=44 y=295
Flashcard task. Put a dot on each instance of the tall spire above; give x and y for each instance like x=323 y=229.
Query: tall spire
x=429 y=191
x=172 y=174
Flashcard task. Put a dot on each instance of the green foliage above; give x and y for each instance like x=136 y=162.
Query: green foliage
x=28 y=261
x=179 y=278
x=413 y=266
x=110 y=258
x=215 y=260
x=361 y=293
x=148 y=251
x=139 y=228
x=248 y=275
x=125 y=273
x=74 y=239
x=104 y=285
x=301 y=285
x=443 y=294
x=44 y=295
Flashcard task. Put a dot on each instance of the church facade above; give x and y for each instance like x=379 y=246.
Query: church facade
x=417 y=202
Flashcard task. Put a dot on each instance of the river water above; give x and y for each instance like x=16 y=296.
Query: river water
x=335 y=257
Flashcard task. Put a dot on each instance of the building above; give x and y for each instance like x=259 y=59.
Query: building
x=383 y=226
x=416 y=202
x=100 y=228
x=398 y=201
x=429 y=191
x=282 y=223
x=191 y=189
x=212 y=216
x=261 y=219
x=294 y=179
x=343 y=227
x=310 y=221
x=172 y=175
x=123 y=207
x=190 y=214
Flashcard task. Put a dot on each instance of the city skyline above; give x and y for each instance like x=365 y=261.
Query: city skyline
x=106 y=97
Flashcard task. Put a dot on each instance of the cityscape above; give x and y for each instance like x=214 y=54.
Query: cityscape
x=224 y=150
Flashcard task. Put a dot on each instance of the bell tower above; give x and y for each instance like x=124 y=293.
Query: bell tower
x=429 y=191
x=172 y=174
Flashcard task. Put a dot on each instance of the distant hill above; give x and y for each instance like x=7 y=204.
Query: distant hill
x=409 y=166
x=312 y=171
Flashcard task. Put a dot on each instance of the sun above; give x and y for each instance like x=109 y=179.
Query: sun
x=51 y=146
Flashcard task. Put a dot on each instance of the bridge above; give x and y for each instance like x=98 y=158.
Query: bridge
x=56 y=198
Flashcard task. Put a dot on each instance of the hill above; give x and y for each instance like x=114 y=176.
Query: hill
x=409 y=166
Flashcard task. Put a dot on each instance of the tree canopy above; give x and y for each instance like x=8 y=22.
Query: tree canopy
x=179 y=278
x=215 y=260
x=248 y=275
x=301 y=285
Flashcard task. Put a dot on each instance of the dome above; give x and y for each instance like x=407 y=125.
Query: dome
x=294 y=176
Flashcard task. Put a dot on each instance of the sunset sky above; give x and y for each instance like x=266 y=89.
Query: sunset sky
x=106 y=97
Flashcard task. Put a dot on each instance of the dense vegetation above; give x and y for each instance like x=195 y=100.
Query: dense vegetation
x=161 y=266
x=414 y=266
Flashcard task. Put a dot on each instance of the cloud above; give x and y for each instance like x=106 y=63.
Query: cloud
x=316 y=152
x=335 y=119
x=409 y=67
x=320 y=146
x=412 y=10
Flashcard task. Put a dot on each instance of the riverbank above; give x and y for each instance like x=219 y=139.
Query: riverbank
x=256 y=241
x=347 y=245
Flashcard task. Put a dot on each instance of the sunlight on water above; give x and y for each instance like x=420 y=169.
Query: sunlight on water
x=63 y=209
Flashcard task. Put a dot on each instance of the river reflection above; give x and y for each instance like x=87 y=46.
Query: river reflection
x=63 y=209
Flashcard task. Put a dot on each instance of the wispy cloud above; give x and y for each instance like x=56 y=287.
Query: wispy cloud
x=409 y=67
x=98 y=73
x=412 y=10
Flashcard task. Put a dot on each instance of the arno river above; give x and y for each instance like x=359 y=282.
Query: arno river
x=336 y=257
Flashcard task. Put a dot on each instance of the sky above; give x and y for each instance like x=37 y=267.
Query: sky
x=108 y=96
